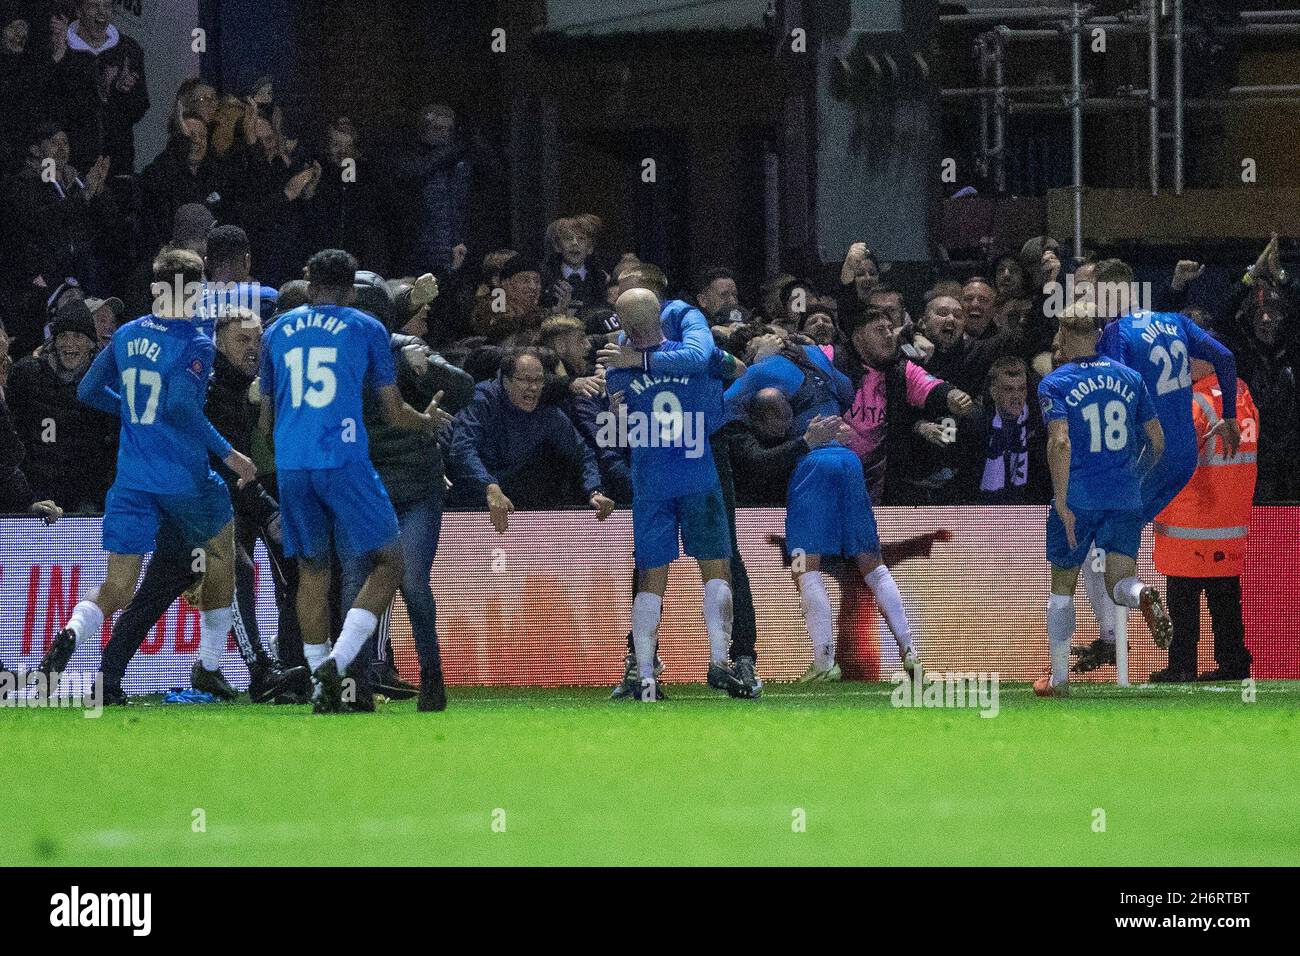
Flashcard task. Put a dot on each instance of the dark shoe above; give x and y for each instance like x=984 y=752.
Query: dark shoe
x=1092 y=656
x=211 y=682
x=56 y=658
x=331 y=688
x=723 y=677
x=269 y=682
x=111 y=691
x=359 y=695
x=630 y=685
x=1223 y=675
x=433 y=693
x=748 y=686
x=1172 y=675
x=650 y=691
x=1157 y=618
x=386 y=681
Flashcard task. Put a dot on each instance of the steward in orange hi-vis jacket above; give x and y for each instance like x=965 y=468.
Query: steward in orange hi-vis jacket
x=1200 y=538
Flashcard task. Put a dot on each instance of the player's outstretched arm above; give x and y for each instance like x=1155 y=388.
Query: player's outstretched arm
x=401 y=415
x=95 y=389
x=184 y=409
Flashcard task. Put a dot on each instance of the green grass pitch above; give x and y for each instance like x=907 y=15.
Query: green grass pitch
x=1188 y=774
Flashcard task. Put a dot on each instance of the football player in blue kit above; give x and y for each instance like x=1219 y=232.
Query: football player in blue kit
x=154 y=376
x=316 y=362
x=1098 y=414
x=1159 y=346
x=675 y=486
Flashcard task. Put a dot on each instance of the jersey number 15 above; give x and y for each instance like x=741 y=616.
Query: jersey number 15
x=321 y=377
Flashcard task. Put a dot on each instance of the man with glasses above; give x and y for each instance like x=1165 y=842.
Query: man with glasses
x=509 y=451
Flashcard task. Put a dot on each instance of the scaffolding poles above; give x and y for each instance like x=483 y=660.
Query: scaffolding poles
x=1076 y=122
x=1178 y=98
x=991 y=46
x=1153 y=93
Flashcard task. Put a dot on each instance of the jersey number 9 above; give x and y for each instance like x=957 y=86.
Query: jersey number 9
x=318 y=373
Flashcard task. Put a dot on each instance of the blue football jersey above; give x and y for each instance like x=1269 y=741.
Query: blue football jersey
x=155 y=453
x=218 y=297
x=669 y=420
x=1106 y=406
x=316 y=362
x=1160 y=347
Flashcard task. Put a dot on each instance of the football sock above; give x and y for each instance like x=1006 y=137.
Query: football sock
x=1128 y=592
x=885 y=588
x=1060 y=631
x=214 y=626
x=357 y=627
x=817 y=612
x=1103 y=606
x=646 y=609
x=86 y=618
x=717 y=618
x=316 y=654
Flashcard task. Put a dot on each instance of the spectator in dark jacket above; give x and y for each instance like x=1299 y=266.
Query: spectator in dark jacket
x=342 y=211
x=185 y=172
x=763 y=455
x=56 y=225
x=15 y=493
x=1002 y=446
x=571 y=279
x=410 y=464
x=581 y=395
x=1268 y=360
x=429 y=182
x=104 y=71
x=71 y=447
x=507 y=449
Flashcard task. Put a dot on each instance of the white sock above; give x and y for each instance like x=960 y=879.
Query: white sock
x=1128 y=592
x=817 y=612
x=315 y=654
x=1060 y=631
x=890 y=602
x=1103 y=606
x=214 y=628
x=717 y=618
x=357 y=627
x=86 y=618
x=646 y=609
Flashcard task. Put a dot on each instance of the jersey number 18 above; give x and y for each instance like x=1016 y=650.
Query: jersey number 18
x=1115 y=431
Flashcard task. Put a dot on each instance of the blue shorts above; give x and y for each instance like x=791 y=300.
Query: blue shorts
x=827 y=509
x=349 y=501
x=1112 y=531
x=701 y=519
x=1163 y=483
x=132 y=516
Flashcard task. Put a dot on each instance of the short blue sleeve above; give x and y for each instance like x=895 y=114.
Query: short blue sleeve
x=1051 y=400
x=1146 y=407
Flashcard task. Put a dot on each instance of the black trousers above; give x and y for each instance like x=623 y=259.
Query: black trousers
x=744 y=626
x=1223 y=597
x=170 y=572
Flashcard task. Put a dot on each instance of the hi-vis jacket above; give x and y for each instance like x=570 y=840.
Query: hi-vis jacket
x=1202 y=532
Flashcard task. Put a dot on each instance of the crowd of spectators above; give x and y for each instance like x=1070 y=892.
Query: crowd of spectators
x=942 y=409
